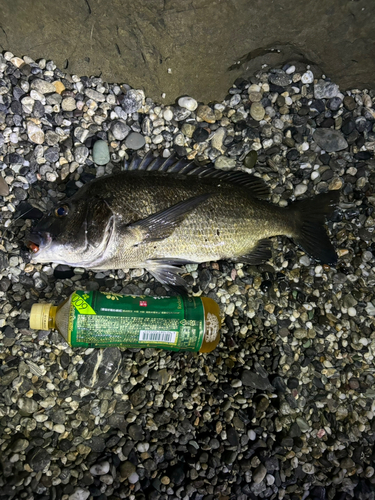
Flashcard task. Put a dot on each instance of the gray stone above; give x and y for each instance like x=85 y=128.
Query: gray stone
x=68 y=104
x=100 y=153
x=38 y=459
x=119 y=130
x=42 y=86
x=80 y=154
x=279 y=78
x=330 y=140
x=4 y=188
x=225 y=163
x=135 y=141
x=95 y=95
x=326 y=90
x=27 y=406
x=259 y=474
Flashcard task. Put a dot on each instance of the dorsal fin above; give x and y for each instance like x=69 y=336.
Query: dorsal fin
x=183 y=166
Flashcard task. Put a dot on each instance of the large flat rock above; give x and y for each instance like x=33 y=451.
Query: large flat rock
x=195 y=47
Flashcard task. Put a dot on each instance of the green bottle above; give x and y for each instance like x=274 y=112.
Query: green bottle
x=104 y=319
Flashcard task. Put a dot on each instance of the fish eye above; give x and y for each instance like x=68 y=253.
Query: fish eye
x=62 y=211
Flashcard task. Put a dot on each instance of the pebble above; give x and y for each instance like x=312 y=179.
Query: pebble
x=68 y=104
x=330 y=140
x=100 y=468
x=120 y=130
x=325 y=90
x=188 y=103
x=4 y=188
x=35 y=133
x=307 y=77
x=225 y=163
x=257 y=111
x=135 y=141
x=79 y=494
x=100 y=153
x=42 y=86
x=206 y=114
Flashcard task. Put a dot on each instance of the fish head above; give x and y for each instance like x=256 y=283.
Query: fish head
x=75 y=233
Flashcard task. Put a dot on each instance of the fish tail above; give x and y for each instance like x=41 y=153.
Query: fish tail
x=309 y=231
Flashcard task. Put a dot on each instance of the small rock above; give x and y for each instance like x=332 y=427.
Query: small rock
x=251 y=159
x=94 y=95
x=330 y=140
x=100 y=469
x=188 y=103
x=280 y=78
x=257 y=111
x=300 y=189
x=35 y=133
x=135 y=141
x=120 y=130
x=307 y=77
x=259 y=474
x=206 y=114
x=133 y=478
x=38 y=459
x=100 y=153
x=68 y=104
x=80 y=494
x=80 y=154
x=225 y=163
x=325 y=90
x=133 y=101
x=42 y=86
x=4 y=188
x=126 y=469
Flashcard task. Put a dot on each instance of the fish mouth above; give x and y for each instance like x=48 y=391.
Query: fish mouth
x=38 y=240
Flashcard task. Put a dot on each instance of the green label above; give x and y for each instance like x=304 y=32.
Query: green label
x=100 y=319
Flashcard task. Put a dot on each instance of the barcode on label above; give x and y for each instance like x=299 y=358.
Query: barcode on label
x=157 y=336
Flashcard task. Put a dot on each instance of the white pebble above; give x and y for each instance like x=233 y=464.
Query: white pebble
x=168 y=115
x=79 y=494
x=290 y=70
x=100 y=469
x=307 y=77
x=352 y=311
x=315 y=175
x=251 y=435
x=300 y=189
x=59 y=428
x=188 y=103
x=133 y=478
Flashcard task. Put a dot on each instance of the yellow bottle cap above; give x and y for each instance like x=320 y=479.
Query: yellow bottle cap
x=39 y=316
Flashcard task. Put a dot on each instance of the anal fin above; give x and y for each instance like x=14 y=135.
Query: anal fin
x=261 y=253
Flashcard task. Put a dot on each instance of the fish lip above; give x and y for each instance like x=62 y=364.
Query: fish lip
x=42 y=239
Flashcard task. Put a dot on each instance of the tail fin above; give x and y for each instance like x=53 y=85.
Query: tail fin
x=310 y=233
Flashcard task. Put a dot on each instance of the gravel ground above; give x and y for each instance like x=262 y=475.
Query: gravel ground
x=284 y=407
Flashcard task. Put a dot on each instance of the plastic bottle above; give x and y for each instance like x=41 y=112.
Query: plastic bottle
x=101 y=319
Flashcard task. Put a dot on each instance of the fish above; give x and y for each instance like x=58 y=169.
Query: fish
x=160 y=214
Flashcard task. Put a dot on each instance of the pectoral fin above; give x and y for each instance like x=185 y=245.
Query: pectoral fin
x=162 y=224
x=167 y=275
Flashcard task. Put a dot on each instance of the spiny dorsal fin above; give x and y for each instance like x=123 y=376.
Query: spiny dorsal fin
x=183 y=166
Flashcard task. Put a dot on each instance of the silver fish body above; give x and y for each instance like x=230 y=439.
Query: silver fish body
x=156 y=220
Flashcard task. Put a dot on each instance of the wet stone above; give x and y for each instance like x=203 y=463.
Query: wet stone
x=4 y=188
x=126 y=469
x=330 y=140
x=137 y=397
x=324 y=89
x=97 y=444
x=120 y=130
x=135 y=141
x=100 y=367
x=100 y=153
x=38 y=459
x=136 y=432
x=280 y=78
